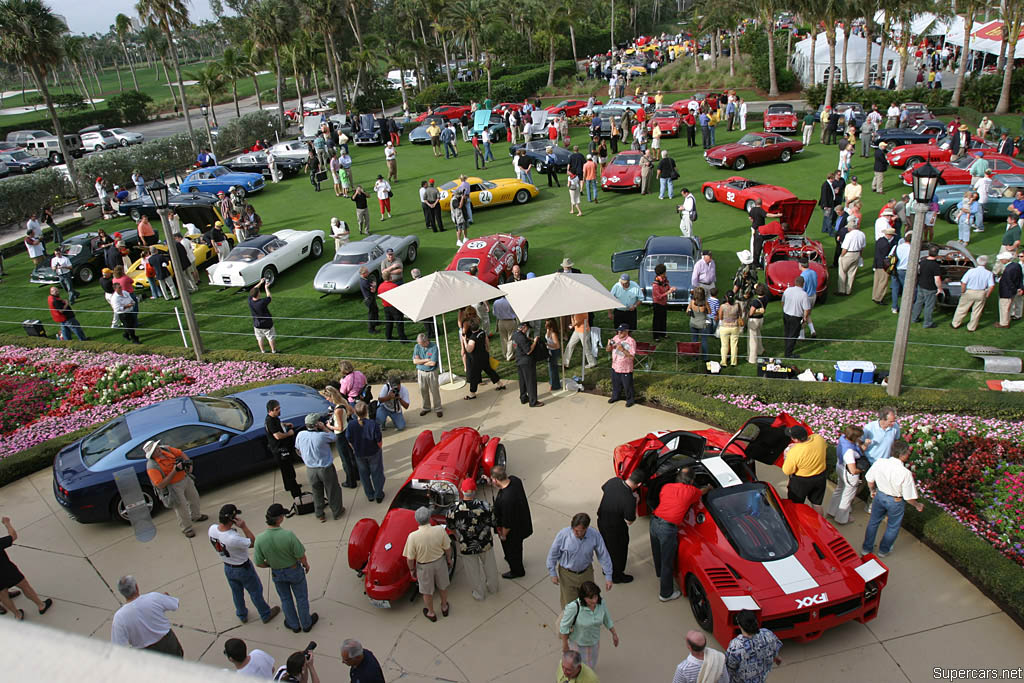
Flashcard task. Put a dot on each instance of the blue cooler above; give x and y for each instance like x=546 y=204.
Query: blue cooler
x=855 y=371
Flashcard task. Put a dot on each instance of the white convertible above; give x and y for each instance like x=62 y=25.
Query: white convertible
x=264 y=256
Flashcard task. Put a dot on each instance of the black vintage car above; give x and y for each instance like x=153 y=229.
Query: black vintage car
x=535 y=149
x=922 y=132
x=199 y=208
x=256 y=162
x=86 y=257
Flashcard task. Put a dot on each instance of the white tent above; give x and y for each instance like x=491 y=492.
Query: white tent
x=813 y=68
x=926 y=24
x=985 y=37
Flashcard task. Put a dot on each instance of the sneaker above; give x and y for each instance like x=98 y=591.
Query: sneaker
x=674 y=596
x=881 y=554
x=895 y=311
x=313 y=618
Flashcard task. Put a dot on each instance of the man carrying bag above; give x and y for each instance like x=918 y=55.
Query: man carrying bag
x=170 y=471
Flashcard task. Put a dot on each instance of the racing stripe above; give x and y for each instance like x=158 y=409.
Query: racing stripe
x=790 y=575
x=721 y=471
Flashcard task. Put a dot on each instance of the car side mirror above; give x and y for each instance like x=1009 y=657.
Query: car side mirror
x=223 y=439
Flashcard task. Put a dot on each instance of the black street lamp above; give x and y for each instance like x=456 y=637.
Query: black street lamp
x=205 y=111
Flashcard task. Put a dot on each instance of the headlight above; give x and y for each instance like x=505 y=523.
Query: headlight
x=896 y=159
x=636 y=180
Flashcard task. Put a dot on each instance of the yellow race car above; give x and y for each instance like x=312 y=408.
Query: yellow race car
x=202 y=252
x=490 y=192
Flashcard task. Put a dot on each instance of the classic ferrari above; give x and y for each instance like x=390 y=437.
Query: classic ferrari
x=780 y=118
x=782 y=254
x=753 y=148
x=676 y=253
x=483 y=193
x=958 y=172
x=216 y=179
x=741 y=192
x=745 y=547
x=341 y=275
x=375 y=551
x=224 y=436
x=452 y=112
x=493 y=256
x=198 y=208
x=622 y=172
x=265 y=256
x=256 y=162
x=372 y=131
x=1001 y=194
x=200 y=249
x=537 y=150
x=922 y=132
x=292 y=149
x=936 y=149
x=669 y=121
x=85 y=256
x=568 y=107
x=607 y=115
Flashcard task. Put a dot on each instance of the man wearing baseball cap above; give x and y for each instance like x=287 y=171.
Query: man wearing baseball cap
x=233 y=549
x=622 y=347
x=169 y=470
x=472 y=521
x=629 y=295
x=282 y=551
x=314 y=447
x=805 y=465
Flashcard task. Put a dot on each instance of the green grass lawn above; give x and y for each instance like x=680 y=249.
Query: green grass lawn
x=848 y=328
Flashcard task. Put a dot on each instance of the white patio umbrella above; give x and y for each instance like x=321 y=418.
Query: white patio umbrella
x=557 y=295
x=437 y=294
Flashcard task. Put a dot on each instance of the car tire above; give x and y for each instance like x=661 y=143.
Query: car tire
x=269 y=275
x=524 y=254
x=785 y=156
x=194 y=190
x=411 y=253
x=699 y=604
x=822 y=298
x=56 y=159
x=117 y=507
x=951 y=214
x=98 y=148
x=749 y=205
x=500 y=456
x=241 y=191
x=522 y=196
x=316 y=249
x=709 y=194
x=85 y=274
x=123 y=143
x=455 y=561
x=136 y=215
x=740 y=163
x=914 y=161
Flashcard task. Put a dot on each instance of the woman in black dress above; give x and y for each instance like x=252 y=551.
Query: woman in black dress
x=11 y=576
x=477 y=346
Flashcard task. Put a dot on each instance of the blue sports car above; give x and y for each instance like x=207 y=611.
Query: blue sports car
x=214 y=179
x=224 y=436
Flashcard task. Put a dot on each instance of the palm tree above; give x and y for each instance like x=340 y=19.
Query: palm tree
x=828 y=12
x=438 y=13
x=765 y=11
x=170 y=16
x=30 y=37
x=254 y=58
x=1013 y=16
x=234 y=65
x=969 y=8
x=122 y=26
x=212 y=82
x=325 y=16
x=271 y=27
x=74 y=55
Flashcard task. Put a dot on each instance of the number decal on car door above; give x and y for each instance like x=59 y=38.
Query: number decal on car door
x=730 y=196
x=485 y=197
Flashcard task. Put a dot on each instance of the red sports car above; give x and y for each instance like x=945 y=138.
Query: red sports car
x=780 y=118
x=743 y=546
x=936 y=149
x=568 y=107
x=781 y=255
x=452 y=112
x=753 y=148
x=502 y=107
x=375 y=551
x=741 y=192
x=622 y=172
x=683 y=105
x=668 y=119
x=958 y=172
x=493 y=256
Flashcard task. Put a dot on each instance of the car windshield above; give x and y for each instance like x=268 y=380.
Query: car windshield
x=488 y=185
x=450 y=185
x=219 y=171
x=72 y=249
x=965 y=162
x=351 y=259
x=245 y=254
x=780 y=109
x=669 y=113
x=623 y=160
x=672 y=262
x=226 y=412
x=20 y=155
x=100 y=443
x=751 y=140
x=118 y=131
x=750 y=518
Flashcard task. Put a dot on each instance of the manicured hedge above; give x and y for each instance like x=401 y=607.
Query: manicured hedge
x=842 y=92
x=23 y=194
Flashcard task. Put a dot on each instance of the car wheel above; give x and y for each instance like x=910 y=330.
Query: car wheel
x=240 y=191
x=411 y=253
x=699 y=604
x=136 y=215
x=86 y=274
x=123 y=143
x=269 y=275
x=455 y=562
x=951 y=214
x=194 y=190
x=785 y=156
x=740 y=163
x=316 y=249
x=709 y=194
x=98 y=148
x=500 y=457
x=749 y=205
x=914 y=161
x=55 y=159
x=117 y=505
x=822 y=298
x=524 y=255
x=522 y=197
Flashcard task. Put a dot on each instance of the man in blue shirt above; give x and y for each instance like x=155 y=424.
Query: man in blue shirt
x=426 y=358
x=705 y=129
x=571 y=558
x=880 y=434
x=978 y=284
x=899 y=275
x=314 y=447
x=811 y=287
x=363 y=664
x=629 y=295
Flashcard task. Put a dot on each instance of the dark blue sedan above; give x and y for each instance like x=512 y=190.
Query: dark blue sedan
x=225 y=437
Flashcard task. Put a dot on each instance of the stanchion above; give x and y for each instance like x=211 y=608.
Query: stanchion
x=181 y=328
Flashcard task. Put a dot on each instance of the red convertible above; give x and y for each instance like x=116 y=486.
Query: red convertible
x=568 y=107
x=958 y=172
x=622 y=172
x=452 y=112
x=668 y=119
x=753 y=148
x=743 y=546
x=780 y=118
x=493 y=256
x=375 y=551
x=741 y=192
x=782 y=254
x=908 y=156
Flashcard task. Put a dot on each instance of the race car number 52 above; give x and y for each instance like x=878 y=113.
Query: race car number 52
x=730 y=196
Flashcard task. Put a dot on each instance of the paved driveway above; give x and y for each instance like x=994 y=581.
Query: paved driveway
x=930 y=615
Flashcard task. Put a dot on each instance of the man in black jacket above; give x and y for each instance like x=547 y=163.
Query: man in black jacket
x=827 y=201
x=576 y=161
x=1011 y=284
x=1005 y=145
x=526 y=363
x=881 y=166
x=161 y=266
x=883 y=247
x=368 y=288
x=512 y=519
x=614 y=515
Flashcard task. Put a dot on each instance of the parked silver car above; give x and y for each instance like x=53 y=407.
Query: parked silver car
x=96 y=139
x=293 y=149
x=341 y=275
x=127 y=137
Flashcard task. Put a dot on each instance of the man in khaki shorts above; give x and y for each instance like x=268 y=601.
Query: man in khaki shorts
x=429 y=553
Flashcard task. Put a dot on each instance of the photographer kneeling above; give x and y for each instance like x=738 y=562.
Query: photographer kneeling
x=170 y=470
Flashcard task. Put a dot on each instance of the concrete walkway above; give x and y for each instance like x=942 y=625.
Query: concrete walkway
x=930 y=615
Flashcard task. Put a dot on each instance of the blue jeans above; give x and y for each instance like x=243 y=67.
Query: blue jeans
x=591 y=190
x=70 y=326
x=554 y=369
x=241 y=579
x=827 y=220
x=488 y=156
x=291 y=588
x=886 y=506
x=712 y=129
x=664 y=546
x=449 y=150
x=700 y=335
x=468 y=210
x=67 y=282
x=383 y=413
x=371 y=473
x=528 y=177
x=665 y=183
x=154 y=288
x=896 y=281
x=925 y=301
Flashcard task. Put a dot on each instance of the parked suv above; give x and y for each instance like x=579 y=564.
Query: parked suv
x=96 y=138
x=20 y=137
x=49 y=147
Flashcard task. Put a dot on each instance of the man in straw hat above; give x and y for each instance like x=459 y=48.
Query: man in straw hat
x=170 y=470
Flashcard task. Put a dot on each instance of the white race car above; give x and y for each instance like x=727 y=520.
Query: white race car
x=264 y=256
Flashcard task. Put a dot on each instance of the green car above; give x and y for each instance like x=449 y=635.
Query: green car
x=1000 y=196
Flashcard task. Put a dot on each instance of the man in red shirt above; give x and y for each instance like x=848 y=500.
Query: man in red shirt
x=64 y=316
x=391 y=314
x=169 y=469
x=674 y=501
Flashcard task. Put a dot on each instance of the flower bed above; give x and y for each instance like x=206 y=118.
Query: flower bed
x=48 y=392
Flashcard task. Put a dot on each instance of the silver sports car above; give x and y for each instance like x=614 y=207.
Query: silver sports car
x=341 y=275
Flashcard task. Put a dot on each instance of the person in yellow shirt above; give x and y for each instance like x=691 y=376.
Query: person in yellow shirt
x=805 y=465
x=658 y=99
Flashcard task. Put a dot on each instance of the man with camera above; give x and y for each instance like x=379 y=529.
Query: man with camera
x=170 y=471
x=392 y=400
x=299 y=668
x=233 y=549
x=314 y=447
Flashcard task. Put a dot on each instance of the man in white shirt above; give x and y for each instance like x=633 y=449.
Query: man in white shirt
x=272 y=164
x=249 y=663
x=885 y=220
x=391 y=158
x=35 y=226
x=686 y=213
x=891 y=485
x=233 y=549
x=982 y=186
x=849 y=258
x=124 y=308
x=141 y=623
x=978 y=284
x=702 y=664
x=61 y=265
x=892 y=115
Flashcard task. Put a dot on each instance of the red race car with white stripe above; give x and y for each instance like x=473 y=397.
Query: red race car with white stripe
x=745 y=547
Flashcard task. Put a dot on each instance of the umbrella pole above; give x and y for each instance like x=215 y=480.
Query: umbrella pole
x=561 y=356
x=451 y=384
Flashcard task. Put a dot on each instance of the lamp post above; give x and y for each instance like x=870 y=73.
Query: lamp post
x=158 y=191
x=926 y=179
x=206 y=117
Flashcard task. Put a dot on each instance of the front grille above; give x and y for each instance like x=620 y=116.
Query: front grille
x=840 y=608
x=842 y=550
x=786 y=623
x=716 y=162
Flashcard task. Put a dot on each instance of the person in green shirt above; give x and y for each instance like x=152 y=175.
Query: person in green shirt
x=282 y=551
x=582 y=619
x=571 y=669
x=808 y=129
x=1011 y=238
